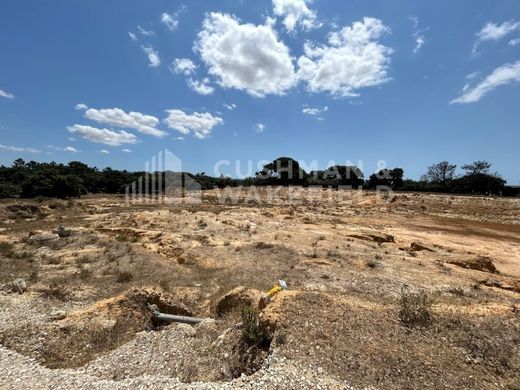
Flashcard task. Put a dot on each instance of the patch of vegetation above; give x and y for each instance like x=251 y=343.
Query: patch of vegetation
x=415 y=308
x=124 y=276
x=55 y=291
x=6 y=248
x=254 y=333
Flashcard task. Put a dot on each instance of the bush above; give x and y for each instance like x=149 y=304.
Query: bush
x=415 y=308
x=254 y=333
x=6 y=248
x=124 y=276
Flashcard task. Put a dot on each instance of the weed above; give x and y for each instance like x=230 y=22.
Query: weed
x=415 y=308
x=374 y=263
x=124 y=276
x=263 y=245
x=254 y=333
x=54 y=291
x=6 y=248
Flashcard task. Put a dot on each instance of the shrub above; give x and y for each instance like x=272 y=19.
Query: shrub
x=124 y=276
x=253 y=331
x=415 y=308
x=6 y=248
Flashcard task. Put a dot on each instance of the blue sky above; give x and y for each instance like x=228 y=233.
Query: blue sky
x=111 y=83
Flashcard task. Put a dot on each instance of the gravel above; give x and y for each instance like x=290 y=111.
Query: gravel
x=20 y=372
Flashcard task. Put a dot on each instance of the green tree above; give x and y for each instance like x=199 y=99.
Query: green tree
x=441 y=173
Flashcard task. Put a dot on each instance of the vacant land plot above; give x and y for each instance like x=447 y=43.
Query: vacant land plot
x=412 y=291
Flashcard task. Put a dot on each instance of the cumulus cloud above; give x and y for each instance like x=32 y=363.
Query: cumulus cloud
x=296 y=13
x=81 y=107
x=7 y=148
x=145 y=124
x=354 y=59
x=170 y=21
x=127 y=150
x=230 y=107
x=246 y=57
x=184 y=66
x=146 y=33
x=201 y=87
x=494 y=32
x=153 y=56
x=6 y=94
x=103 y=136
x=104 y=151
x=503 y=75
x=132 y=36
x=314 y=111
x=260 y=127
x=198 y=124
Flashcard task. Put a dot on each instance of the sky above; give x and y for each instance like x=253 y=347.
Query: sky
x=373 y=82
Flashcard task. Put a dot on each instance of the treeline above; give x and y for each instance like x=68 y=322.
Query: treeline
x=33 y=179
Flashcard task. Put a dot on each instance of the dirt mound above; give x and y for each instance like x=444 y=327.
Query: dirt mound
x=482 y=263
x=85 y=334
x=236 y=299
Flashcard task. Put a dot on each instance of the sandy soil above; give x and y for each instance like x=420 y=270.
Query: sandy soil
x=348 y=259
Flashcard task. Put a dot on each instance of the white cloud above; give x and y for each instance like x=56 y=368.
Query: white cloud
x=198 y=124
x=127 y=150
x=153 y=56
x=230 y=107
x=245 y=56
x=514 y=42
x=104 y=151
x=178 y=139
x=170 y=21
x=296 y=13
x=146 y=33
x=68 y=149
x=260 y=127
x=145 y=124
x=354 y=59
x=314 y=111
x=6 y=94
x=503 y=75
x=6 y=148
x=201 y=87
x=494 y=32
x=183 y=65
x=418 y=34
x=419 y=43
x=81 y=107
x=132 y=36
x=103 y=136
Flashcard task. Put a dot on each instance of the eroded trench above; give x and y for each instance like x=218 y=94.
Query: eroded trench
x=224 y=344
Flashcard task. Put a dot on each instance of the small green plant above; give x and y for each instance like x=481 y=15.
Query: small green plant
x=415 y=308
x=253 y=331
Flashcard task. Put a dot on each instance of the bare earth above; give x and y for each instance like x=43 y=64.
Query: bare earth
x=347 y=259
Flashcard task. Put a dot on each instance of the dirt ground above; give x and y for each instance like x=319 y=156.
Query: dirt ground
x=410 y=291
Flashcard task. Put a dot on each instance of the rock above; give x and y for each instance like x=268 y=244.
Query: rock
x=187 y=330
x=57 y=315
x=42 y=237
x=62 y=232
x=482 y=263
x=416 y=247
